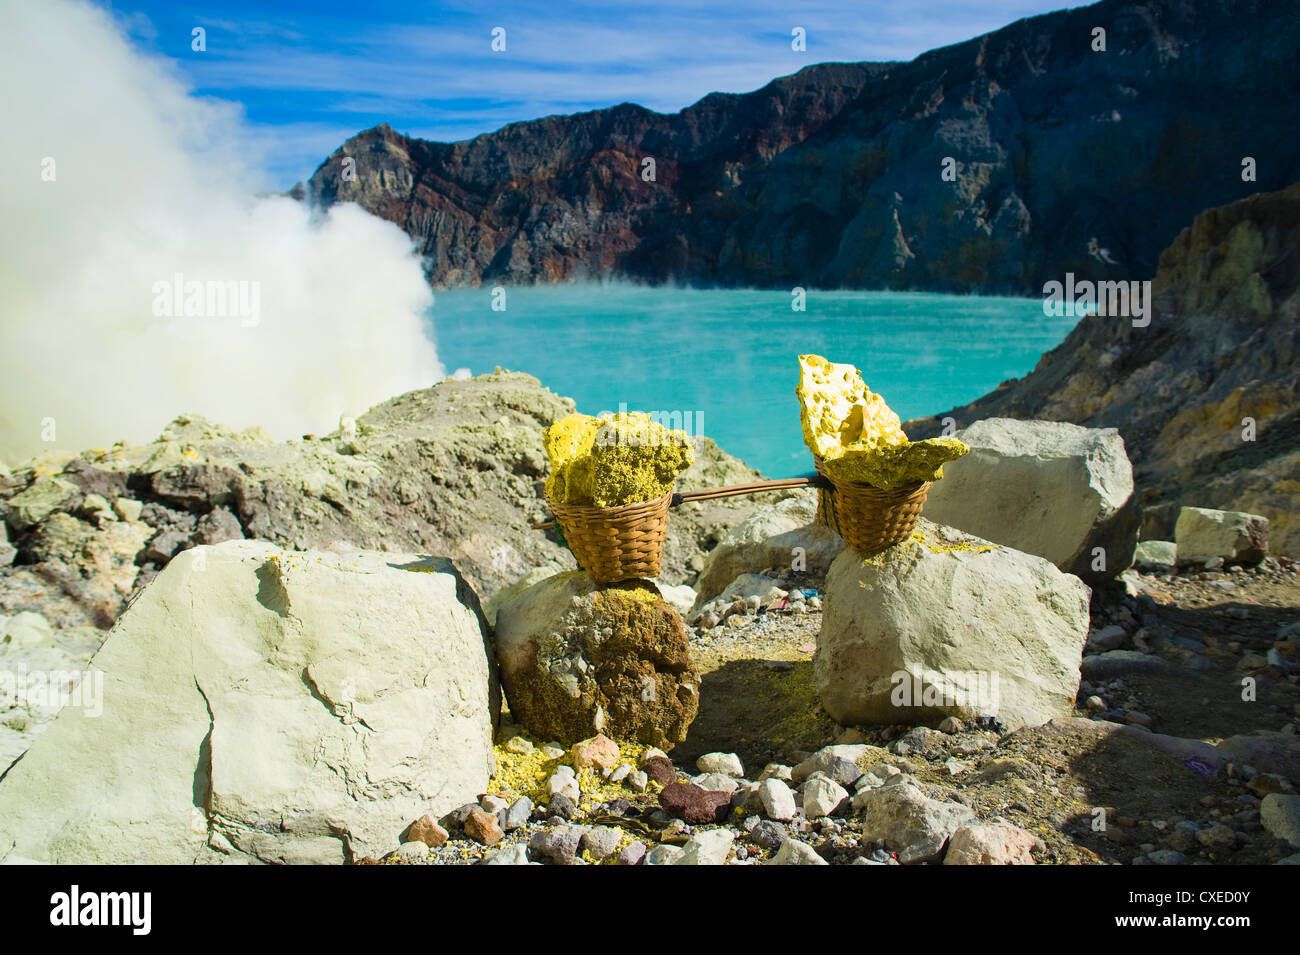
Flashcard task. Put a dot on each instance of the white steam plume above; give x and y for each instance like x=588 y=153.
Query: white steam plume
x=148 y=182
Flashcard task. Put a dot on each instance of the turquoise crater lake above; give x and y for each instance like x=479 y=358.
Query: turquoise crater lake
x=731 y=354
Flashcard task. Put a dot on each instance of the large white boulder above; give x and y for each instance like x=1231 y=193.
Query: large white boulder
x=1202 y=534
x=1047 y=488
x=947 y=624
x=782 y=535
x=266 y=706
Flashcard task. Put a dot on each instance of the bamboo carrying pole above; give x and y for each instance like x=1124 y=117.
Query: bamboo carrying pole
x=731 y=490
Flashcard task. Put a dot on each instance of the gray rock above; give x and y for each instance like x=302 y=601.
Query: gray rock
x=561 y=805
x=1156 y=555
x=1102 y=667
x=518 y=814
x=794 y=852
x=993 y=843
x=557 y=845
x=1280 y=816
x=663 y=854
x=1203 y=534
x=601 y=841
x=38 y=501
x=826 y=759
x=778 y=800
x=510 y=855
x=726 y=764
x=710 y=847
x=1166 y=857
x=632 y=854
x=990 y=631
x=1216 y=836
x=821 y=796
x=412 y=852
x=716 y=782
x=400 y=697
x=909 y=822
x=1107 y=638
x=1047 y=488
x=769 y=834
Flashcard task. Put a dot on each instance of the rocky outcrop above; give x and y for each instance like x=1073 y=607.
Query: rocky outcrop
x=1203 y=535
x=833 y=177
x=456 y=469
x=1056 y=490
x=946 y=624
x=1207 y=396
x=578 y=659
x=265 y=706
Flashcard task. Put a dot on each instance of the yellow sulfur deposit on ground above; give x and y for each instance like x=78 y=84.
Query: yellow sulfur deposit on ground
x=857 y=435
x=615 y=459
x=526 y=774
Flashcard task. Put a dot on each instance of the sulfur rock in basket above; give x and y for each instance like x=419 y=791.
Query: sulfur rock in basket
x=613 y=460
x=635 y=458
x=858 y=437
x=568 y=445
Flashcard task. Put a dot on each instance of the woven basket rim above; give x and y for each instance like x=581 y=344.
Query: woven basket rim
x=613 y=510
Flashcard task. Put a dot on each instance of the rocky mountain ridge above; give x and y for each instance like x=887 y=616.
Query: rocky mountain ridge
x=831 y=177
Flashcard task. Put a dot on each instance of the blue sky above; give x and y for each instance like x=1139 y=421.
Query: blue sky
x=310 y=73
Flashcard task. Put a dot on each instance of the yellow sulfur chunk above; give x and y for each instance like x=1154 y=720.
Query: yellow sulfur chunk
x=898 y=465
x=612 y=460
x=636 y=459
x=568 y=444
x=839 y=410
x=857 y=436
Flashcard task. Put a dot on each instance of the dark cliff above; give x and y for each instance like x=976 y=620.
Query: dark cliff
x=831 y=177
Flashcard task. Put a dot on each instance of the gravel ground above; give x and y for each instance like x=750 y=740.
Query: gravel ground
x=1081 y=790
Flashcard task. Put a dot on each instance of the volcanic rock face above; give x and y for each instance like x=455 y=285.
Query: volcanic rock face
x=834 y=176
x=456 y=469
x=1207 y=396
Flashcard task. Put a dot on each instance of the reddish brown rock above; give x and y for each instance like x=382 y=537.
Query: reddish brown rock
x=426 y=830
x=483 y=827
x=660 y=770
x=695 y=805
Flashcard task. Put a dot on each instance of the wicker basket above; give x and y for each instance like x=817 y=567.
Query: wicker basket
x=616 y=543
x=868 y=518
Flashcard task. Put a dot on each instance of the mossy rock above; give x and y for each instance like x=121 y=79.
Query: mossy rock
x=579 y=659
